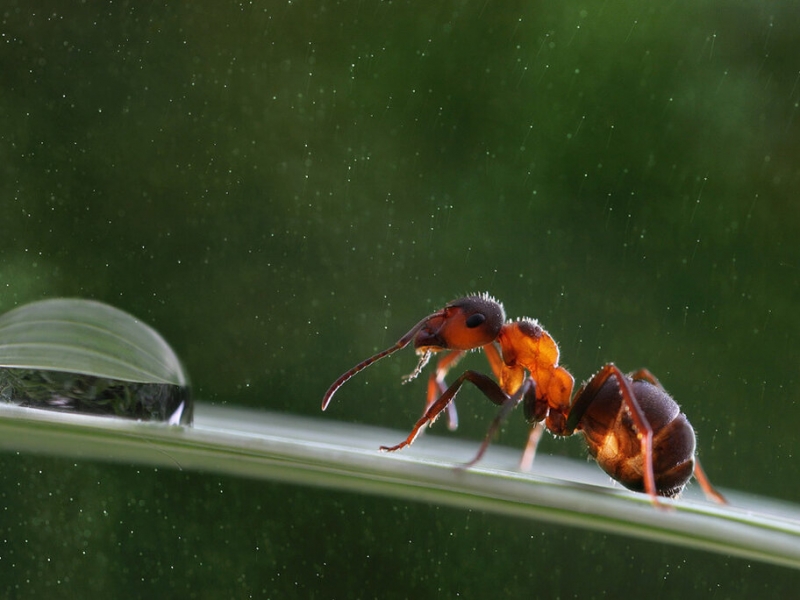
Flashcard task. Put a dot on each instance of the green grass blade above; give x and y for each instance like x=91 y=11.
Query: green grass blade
x=322 y=452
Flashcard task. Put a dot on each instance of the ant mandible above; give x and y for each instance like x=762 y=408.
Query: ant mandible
x=632 y=426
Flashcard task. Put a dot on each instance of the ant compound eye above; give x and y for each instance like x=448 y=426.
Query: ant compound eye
x=475 y=320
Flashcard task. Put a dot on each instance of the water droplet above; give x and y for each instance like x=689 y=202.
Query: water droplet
x=88 y=357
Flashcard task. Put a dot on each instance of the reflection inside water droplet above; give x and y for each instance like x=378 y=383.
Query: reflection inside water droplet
x=87 y=394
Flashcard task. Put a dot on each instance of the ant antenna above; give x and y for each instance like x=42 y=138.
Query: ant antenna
x=401 y=343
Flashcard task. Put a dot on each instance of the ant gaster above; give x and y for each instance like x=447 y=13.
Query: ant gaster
x=632 y=426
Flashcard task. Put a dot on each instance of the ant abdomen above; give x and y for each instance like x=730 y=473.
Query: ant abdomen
x=614 y=441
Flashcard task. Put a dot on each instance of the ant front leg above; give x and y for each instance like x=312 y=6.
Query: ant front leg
x=483 y=382
x=437 y=386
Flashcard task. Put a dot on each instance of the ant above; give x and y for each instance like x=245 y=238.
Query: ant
x=632 y=426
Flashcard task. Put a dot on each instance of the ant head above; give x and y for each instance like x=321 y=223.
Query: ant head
x=464 y=324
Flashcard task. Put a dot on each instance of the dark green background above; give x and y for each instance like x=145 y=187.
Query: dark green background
x=283 y=188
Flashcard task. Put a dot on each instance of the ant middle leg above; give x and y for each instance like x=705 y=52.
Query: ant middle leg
x=483 y=382
x=534 y=437
x=526 y=394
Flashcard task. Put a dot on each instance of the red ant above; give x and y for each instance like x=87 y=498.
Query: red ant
x=632 y=426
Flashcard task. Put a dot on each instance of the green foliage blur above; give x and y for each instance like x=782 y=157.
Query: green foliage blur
x=282 y=189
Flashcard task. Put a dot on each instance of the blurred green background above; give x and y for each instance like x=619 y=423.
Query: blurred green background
x=284 y=188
